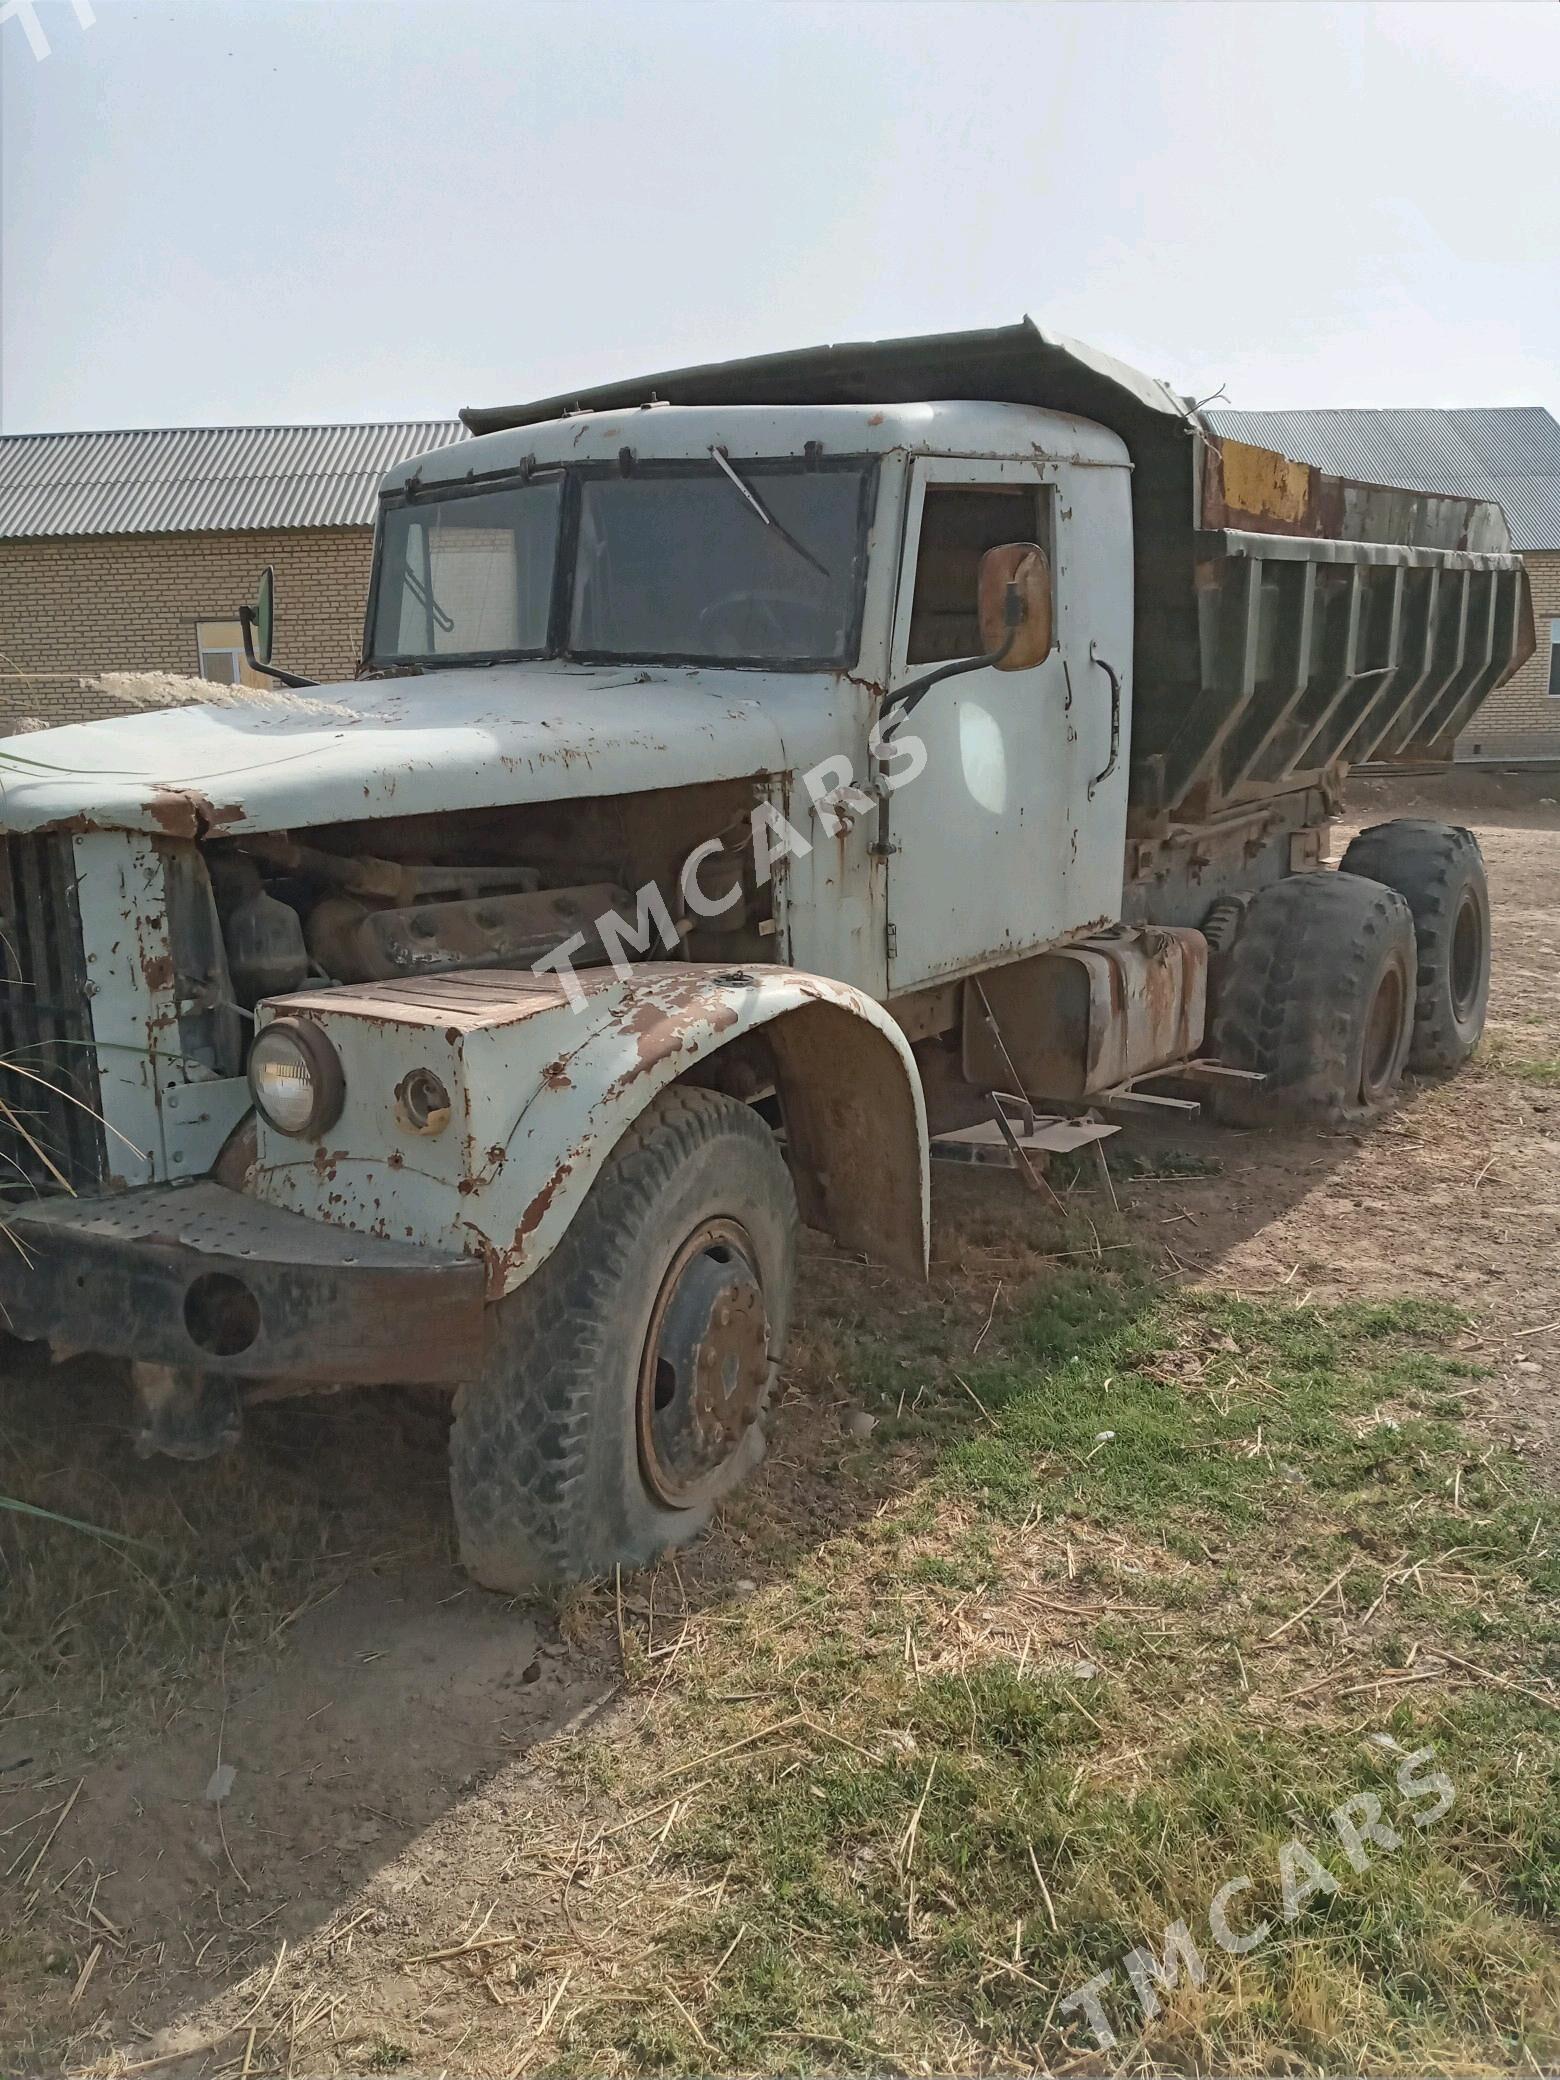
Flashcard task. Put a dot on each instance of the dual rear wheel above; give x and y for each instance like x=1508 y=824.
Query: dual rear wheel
x=1335 y=983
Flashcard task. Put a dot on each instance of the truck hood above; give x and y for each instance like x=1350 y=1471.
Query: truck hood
x=461 y=739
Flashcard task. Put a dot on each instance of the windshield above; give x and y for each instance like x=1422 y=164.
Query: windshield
x=730 y=562
x=471 y=573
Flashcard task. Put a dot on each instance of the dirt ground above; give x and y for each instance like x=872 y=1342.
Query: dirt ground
x=1458 y=1194
x=395 y=1738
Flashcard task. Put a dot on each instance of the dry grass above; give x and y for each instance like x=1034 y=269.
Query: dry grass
x=990 y=1742
x=1124 y=1588
x=950 y=1718
x=191 y=1567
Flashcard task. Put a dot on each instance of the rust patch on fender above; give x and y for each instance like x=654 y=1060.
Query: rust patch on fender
x=675 y=1016
x=536 y=1212
x=664 y=1019
x=175 y=814
x=185 y=813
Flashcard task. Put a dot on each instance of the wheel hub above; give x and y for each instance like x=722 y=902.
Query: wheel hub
x=705 y=1367
x=1383 y=1033
x=1467 y=961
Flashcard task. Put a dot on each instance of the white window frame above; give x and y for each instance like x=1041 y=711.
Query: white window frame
x=242 y=676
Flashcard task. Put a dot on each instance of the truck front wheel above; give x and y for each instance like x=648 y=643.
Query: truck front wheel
x=1438 y=870
x=1318 y=996
x=628 y=1377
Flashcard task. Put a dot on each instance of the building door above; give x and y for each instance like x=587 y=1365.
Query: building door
x=1012 y=836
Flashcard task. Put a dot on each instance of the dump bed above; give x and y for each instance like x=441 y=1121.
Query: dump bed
x=1337 y=622
x=1289 y=623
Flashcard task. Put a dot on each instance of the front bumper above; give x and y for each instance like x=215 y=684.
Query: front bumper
x=207 y=1279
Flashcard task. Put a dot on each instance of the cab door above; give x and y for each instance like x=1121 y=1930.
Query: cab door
x=1011 y=836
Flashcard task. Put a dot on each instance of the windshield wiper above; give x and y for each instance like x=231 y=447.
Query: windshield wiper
x=723 y=462
x=426 y=600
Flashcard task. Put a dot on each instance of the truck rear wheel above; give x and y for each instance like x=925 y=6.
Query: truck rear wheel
x=1318 y=996
x=628 y=1378
x=1438 y=870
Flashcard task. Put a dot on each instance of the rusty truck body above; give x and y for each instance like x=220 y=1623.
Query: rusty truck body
x=753 y=770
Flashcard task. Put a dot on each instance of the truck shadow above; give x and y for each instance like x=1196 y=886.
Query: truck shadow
x=297 y=1619
x=285 y=1687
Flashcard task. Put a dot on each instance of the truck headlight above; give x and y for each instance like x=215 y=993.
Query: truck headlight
x=295 y=1078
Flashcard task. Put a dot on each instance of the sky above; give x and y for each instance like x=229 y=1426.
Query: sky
x=226 y=211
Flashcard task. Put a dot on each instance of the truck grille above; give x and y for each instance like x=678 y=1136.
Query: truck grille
x=50 y=1135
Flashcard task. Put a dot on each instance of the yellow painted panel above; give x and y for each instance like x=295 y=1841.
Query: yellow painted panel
x=1256 y=480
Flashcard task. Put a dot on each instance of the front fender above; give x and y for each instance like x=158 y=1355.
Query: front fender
x=544 y=1085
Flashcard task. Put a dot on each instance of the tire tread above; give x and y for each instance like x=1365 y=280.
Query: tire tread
x=1429 y=864
x=527 y=1506
x=1292 y=984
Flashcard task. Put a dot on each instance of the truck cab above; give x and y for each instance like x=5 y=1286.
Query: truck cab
x=736 y=789
x=770 y=576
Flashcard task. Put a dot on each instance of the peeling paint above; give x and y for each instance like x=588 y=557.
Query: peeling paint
x=184 y=813
x=546 y=1093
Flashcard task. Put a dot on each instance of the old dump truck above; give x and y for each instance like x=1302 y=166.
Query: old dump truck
x=753 y=770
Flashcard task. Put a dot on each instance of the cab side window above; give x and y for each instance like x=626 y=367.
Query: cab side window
x=959 y=523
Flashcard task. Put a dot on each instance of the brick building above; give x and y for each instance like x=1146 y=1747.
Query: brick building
x=133 y=551
x=1508 y=453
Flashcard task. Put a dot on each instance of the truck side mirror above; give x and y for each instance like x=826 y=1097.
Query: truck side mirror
x=265 y=615
x=259 y=624
x=1014 y=605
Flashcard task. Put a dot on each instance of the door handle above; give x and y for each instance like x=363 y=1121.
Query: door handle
x=1115 y=720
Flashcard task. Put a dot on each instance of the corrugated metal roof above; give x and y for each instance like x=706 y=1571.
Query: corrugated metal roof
x=1508 y=453
x=190 y=479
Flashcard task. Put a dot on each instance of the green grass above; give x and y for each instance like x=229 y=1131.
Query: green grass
x=1540 y=1069
x=382 y=2056
x=1544 y=1069
x=816 y=1862
x=878 y=1879
x=1128 y=1164
x=1127 y=1590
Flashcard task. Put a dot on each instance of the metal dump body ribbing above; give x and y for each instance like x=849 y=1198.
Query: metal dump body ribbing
x=1287 y=621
